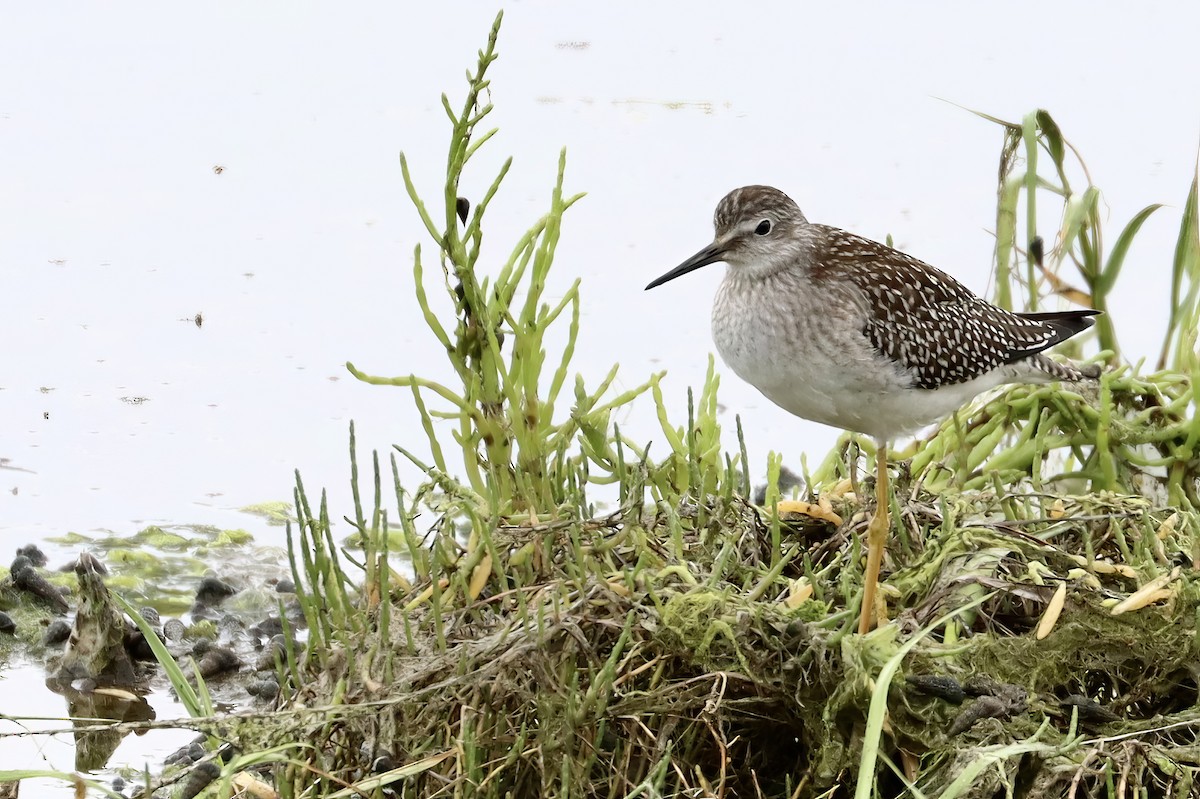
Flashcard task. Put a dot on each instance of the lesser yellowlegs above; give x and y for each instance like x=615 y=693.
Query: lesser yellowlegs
x=851 y=333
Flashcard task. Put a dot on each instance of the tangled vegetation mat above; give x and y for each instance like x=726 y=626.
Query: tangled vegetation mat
x=655 y=652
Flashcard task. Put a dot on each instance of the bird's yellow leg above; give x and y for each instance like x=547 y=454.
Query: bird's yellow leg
x=877 y=533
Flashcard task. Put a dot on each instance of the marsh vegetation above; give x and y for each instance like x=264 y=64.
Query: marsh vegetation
x=561 y=611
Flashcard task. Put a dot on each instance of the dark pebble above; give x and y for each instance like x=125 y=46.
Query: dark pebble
x=56 y=633
x=7 y=625
x=151 y=616
x=138 y=647
x=174 y=629
x=217 y=660
x=213 y=591
x=200 y=778
x=202 y=612
x=285 y=587
x=268 y=627
x=263 y=689
x=185 y=754
x=35 y=555
x=28 y=579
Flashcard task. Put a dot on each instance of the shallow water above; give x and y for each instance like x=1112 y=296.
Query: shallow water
x=161 y=568
x=239 y=162
x=26 y=697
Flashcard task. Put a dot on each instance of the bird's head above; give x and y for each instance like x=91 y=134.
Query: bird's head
x=756 y=229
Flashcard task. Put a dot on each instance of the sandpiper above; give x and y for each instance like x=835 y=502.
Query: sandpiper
x=845 y=331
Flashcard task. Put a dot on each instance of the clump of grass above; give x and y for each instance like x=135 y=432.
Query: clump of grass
x=506 y=638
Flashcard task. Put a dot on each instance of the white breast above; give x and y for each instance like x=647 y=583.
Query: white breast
x=820 y=366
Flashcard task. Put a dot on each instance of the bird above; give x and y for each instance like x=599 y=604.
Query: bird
x=842 y=330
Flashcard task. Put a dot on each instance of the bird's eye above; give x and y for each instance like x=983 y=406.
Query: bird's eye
x=764 y=227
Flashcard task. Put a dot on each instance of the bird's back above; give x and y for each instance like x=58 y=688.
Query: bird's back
x=926 y=322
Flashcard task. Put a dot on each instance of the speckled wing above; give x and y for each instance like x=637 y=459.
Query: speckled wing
x=930 y=324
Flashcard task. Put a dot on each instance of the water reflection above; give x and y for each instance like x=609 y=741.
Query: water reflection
x=95 y=742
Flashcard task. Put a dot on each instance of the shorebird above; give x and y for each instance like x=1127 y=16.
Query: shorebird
x=848 y=332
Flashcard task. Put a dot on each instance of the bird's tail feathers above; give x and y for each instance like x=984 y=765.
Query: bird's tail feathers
x=1064 y=323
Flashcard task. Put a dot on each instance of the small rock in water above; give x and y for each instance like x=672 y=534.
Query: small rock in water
x=56 y=633
x=35 y=555
x=26 y=577
x=202 y=612
x=217 y=660
x=213 y=591
x=186 y=754
x=138 y=647
x=268 y=627
x=285 y=587
x=7 y=625
x=151 y=616
x=174 y=629
x=266 y=689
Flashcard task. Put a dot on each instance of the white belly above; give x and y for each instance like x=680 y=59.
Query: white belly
x=824 y=369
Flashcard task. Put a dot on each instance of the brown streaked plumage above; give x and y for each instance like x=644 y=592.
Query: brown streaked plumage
x=848 y=332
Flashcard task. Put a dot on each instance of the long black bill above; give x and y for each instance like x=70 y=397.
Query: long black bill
x=709 y=255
